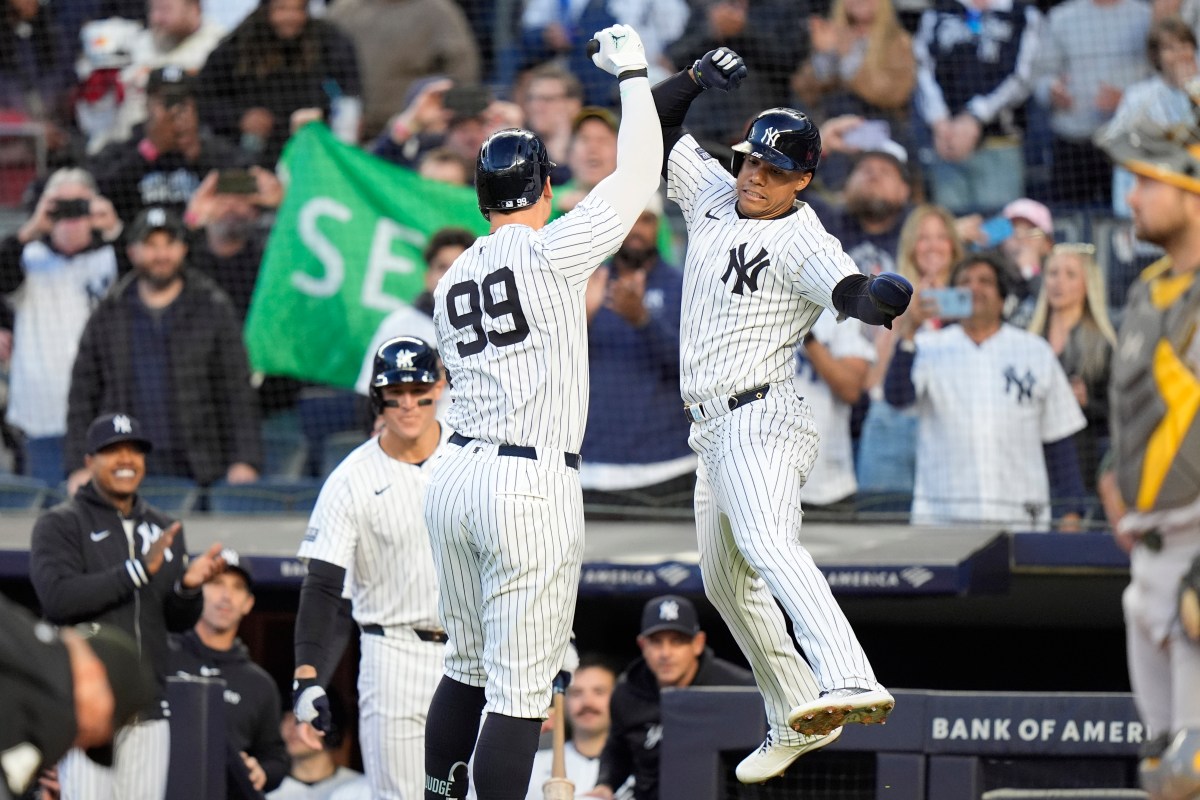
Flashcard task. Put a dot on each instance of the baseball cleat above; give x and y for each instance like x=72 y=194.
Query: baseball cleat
x=771 y=759
x=841 y=707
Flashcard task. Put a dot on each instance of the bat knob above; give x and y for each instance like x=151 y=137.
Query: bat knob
x=593 y=47
x=558 y=789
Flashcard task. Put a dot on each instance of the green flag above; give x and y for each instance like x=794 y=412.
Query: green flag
x=345 y=251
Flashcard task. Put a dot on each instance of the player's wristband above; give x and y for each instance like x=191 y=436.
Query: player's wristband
x=633 y=73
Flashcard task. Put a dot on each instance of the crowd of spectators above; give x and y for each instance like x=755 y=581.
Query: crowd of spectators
x=950 y=130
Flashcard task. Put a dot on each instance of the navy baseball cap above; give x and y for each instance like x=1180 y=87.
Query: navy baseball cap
x=157 y=218
x=235 y=563
x=110 y=429
x=670 y=613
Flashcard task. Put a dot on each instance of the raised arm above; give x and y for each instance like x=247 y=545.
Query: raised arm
x=639 y=140
x=719 y=69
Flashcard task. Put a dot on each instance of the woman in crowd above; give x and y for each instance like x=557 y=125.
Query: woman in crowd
x=929 y=247
x=1072 y=314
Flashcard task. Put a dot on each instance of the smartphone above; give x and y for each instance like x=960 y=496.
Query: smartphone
x=996 y=229
x=470 y=100
x=868 y=135
x=236 y=181
x=952 y=302
x=71 y=209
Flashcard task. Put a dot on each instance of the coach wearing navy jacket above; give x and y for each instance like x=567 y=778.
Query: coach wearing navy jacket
x=108 y=556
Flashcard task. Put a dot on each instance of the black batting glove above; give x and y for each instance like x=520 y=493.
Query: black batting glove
x=719 y=69
x=889 y=294
x=311 y=704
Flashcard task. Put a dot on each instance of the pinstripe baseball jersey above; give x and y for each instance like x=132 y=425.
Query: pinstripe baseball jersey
x=512 y=330
x=985 y=410
x=368 y=520
x=751 y=288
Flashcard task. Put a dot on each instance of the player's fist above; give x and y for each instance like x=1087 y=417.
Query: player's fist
x=311 y=704
x=618 y=49
x=890 y=294
x=719 y=69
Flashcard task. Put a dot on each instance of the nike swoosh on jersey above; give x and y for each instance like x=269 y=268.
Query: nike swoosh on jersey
x=100 y=536
x=384 y=489
x=710 y=215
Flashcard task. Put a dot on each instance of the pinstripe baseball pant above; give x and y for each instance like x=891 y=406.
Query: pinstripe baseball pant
x=397 y=676
x=507 y=536
x=141 y=757
x=755 y=460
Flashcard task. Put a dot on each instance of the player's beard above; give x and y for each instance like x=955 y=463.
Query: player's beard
x=631 y=257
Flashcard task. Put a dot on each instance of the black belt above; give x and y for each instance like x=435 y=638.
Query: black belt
x=572 y=460
x=757 y=393
x=425 y=636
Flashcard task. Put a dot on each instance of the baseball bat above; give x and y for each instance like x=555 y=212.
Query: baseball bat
x=593 y=47
x=558 y=787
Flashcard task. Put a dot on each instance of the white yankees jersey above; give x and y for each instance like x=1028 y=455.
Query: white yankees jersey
x=368 y=520
x=832 y=476
x=984 y=413
x=512 y=330
x=751 y=288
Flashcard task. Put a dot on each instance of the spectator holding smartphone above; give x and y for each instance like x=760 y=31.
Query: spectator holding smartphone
x=929 y=247
x=1072 y=315
x=996 y=416
x=56 y=267
x=166 y=165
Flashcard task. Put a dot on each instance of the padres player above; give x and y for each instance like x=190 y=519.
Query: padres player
x=367 y=532
x=759 y=271
x=504 y=506
x=1152 y=492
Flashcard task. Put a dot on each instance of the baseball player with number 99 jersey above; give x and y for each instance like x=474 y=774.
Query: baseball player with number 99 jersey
x=504 y=506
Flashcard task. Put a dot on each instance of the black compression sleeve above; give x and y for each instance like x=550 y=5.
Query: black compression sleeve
x=316 y=618
x=672 y=97
x=850 y=298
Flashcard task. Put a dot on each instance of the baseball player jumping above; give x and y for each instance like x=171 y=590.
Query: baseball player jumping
x=759 y=271
x=367 y=533
x=504 y=506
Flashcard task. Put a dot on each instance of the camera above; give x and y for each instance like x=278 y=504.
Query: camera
x=71 y=209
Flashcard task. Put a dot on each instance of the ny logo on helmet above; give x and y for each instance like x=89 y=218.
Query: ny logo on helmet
x=770 y=136
x=404 y=359
x=121 y=424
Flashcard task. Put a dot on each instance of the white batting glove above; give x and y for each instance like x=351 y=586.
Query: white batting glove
x=620 y=50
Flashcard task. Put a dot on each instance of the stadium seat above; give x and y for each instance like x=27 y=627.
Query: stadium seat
x=267 y=496
x=890 y=503
x=337 y=446
x=171 y=494
x=19 y=493
x=286 y=453
x=325 y=411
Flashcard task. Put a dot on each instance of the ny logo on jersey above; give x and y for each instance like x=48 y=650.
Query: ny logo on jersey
x=745 y=272
x=1024 y=384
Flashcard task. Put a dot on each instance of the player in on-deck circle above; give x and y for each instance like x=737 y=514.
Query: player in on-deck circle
x=759 y=270
x=504 y=506
x=367 y=533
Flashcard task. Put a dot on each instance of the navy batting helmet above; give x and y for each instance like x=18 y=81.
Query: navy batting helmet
x=511 y=170
x=784 y=137
x=405 y=359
